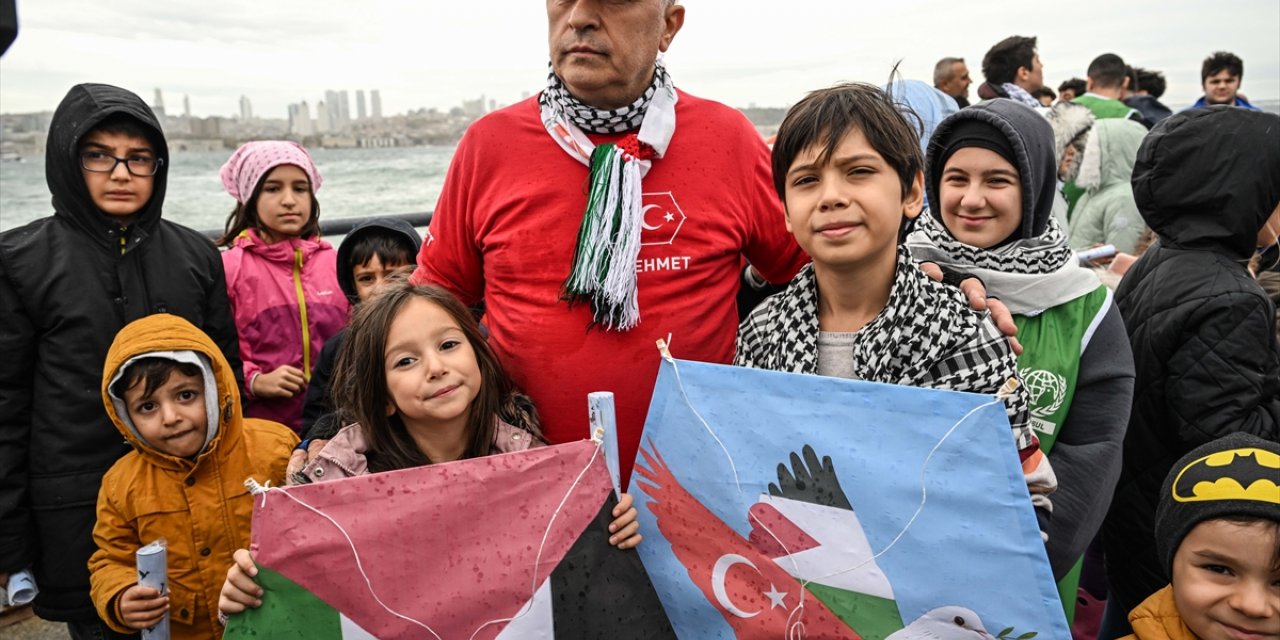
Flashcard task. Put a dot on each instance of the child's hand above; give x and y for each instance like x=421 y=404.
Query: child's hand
x=299 y=459
x=240 y=591
x=284 y=382
x=142 y=607
x=624 y=526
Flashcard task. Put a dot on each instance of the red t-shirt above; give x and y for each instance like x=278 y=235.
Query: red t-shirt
x=505 y=229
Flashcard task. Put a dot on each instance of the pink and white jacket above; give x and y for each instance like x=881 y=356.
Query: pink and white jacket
x=286 y=302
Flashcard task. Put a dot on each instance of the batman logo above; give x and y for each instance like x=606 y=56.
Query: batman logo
x=1236 y=474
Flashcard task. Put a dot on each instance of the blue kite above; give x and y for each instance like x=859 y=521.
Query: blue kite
x=797 y=506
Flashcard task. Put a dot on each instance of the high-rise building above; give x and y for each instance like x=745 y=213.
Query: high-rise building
x=246 y=108
x=158 y=105
x=324 y=123
x=344 y=107
x=375 y=100
x=186 y=105
x=339 y=113
x=360 y=112
x=300 y=119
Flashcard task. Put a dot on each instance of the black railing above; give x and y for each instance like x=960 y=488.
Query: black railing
x=342 y=226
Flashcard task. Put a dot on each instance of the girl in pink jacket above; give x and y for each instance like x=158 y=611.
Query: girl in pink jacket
x=281 y=276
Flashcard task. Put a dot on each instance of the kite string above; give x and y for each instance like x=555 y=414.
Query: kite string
x=537 y=562
x=666 y=354
x=798 y=626
x=354 y=551
x=924 y=495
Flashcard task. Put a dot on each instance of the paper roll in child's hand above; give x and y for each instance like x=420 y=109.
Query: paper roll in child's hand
x=153 y=572
x=21 y=588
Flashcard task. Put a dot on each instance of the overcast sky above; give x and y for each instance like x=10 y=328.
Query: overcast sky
x=435 y=53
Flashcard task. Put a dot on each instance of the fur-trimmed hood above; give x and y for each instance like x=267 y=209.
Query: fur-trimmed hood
x=1068 y=121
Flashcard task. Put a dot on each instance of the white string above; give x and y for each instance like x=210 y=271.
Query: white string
x=258 y=489
x=795 y=630
x=924 y=495
x=666 y=354
x=359 y=564
x=533 y=591
x=263 y=490
x=662 y=346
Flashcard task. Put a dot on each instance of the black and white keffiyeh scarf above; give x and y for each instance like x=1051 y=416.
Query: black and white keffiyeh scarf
x=604 y=262
x=1028 y=275
x=1021 y=95
x=926 y=336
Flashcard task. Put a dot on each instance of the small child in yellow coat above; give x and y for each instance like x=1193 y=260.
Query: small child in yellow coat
x=174 y=397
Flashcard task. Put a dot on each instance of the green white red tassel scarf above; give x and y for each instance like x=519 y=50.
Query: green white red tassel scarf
x=604 y=261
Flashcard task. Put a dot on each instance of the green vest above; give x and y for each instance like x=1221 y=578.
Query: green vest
x=1052 y=343
x=1104 y=108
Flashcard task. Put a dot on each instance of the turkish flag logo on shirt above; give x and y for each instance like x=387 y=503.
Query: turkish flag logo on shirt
x=662 y=219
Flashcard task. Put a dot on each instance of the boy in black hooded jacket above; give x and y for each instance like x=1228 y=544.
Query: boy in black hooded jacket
x=374 y=250
x=1207 y=181
x=68 y=283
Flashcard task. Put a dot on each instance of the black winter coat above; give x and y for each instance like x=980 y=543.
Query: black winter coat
x=67 y=284
x=319 y=395
x=1202 y=330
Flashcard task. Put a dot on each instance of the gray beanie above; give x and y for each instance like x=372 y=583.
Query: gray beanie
x=1234 y=476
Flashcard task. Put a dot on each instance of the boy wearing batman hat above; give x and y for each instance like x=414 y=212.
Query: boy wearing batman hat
x=1218 y=536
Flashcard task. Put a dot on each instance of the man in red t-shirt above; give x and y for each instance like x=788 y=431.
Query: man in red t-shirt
x=506 y=227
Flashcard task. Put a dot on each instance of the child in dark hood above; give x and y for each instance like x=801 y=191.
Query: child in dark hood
x=992 y=172
x=1207 y=181
x=374 y=250
x=68 y=283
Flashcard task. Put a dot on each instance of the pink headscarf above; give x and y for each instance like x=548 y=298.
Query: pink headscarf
x=245 y=168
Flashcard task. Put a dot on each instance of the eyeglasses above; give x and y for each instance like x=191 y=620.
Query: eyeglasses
x=100 y=162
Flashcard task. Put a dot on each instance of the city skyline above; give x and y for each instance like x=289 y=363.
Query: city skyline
x=740 y=52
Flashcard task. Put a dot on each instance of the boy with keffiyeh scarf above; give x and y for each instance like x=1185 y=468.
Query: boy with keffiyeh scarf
x=847 y=166
x=992 y=175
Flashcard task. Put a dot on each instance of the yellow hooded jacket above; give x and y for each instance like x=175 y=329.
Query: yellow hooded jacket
x=201 y=507
x=1157 y=618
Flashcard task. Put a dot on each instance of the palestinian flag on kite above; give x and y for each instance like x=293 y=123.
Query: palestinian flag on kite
x=506 y=546
x=779 y=505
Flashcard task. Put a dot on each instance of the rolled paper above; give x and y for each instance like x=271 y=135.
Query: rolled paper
x=153 y=572
x=22 y=588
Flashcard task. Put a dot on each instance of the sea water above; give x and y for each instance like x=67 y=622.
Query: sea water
x=356 y=183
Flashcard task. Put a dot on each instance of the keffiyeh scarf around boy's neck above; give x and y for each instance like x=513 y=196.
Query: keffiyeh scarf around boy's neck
x=1027 y=275
x=922 y=323
x=926 y=336
x=604 y=261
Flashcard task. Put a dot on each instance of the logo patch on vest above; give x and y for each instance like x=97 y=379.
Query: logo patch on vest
x=1048 y=390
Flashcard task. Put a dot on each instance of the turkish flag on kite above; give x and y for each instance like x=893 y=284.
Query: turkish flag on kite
x=756 y=596
x=506 y=546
